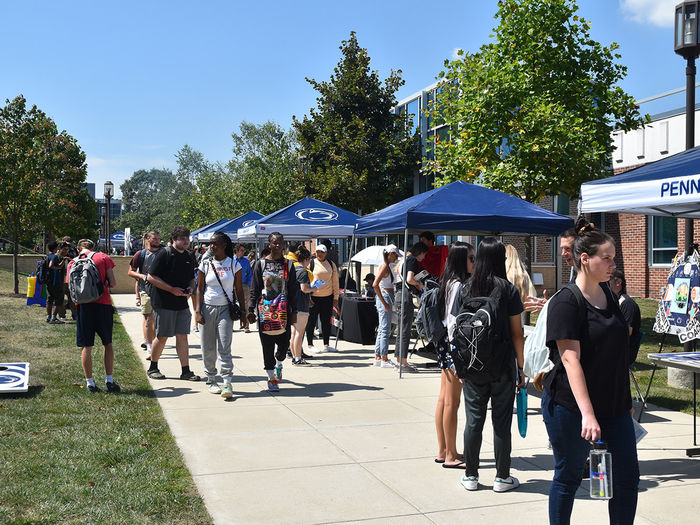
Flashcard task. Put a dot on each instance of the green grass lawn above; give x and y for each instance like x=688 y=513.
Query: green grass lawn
x=660 y=394
x=72 y=457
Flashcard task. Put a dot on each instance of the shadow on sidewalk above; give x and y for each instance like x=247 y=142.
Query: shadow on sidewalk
x=166 y=391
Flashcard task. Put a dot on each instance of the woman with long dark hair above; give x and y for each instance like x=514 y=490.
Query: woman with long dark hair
x=587 y=394
x=499 y=384
x=458 y=268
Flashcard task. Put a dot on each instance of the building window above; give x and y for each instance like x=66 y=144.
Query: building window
x=413 y=109
x=561 y=204
x=663 y=239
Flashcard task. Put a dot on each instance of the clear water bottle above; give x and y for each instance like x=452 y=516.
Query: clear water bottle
x=601 y=471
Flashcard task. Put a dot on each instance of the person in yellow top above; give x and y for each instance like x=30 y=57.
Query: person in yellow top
x=324 y=297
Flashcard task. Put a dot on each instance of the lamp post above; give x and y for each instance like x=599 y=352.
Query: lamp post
x=109 y=193
x=686 y=44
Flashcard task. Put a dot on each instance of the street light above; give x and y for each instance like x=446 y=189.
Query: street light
x=686 y=44
x=109 y=193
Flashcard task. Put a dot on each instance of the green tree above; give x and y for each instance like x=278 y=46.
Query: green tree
x=356 y=152
x=264 y=169
x=211 y=198
x=41 y=172
x=531 y=113
x=154 y=199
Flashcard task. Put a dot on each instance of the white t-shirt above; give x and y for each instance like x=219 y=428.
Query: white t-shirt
x=226 y=269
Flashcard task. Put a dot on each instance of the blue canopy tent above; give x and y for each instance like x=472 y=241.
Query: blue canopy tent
x=462 y=208
x=305 y=219
x=230 y=227
x=193 y=235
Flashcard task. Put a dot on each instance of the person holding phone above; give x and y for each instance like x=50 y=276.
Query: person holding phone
x=172 y=278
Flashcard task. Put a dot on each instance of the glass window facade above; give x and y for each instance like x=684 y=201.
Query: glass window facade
x=663 y=239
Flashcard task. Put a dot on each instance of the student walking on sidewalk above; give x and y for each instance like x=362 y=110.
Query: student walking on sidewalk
x=172 y=275
x=324 y=297
x=215 y=290
x=273 y=297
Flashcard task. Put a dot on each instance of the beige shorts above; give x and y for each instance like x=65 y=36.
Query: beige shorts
x=146 y=308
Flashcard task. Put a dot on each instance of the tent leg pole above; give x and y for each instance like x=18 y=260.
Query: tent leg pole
x=404 y=289
x=342 y=304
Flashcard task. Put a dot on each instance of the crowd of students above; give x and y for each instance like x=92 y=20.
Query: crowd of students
x=586 y=396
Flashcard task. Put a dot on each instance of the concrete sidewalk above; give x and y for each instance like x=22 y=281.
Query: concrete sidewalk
x=347 y=442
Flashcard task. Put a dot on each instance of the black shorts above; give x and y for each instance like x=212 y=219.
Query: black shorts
x=91 y=319
x=55 y=292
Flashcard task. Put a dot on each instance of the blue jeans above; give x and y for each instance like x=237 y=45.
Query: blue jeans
x=381 y=346
x=570 y=453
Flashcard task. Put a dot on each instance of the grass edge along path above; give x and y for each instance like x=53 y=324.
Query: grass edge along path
x=72 y=457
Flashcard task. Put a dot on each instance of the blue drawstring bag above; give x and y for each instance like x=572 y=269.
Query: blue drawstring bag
x=521 y=400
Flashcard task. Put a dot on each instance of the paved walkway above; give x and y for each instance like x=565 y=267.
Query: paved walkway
x=346 y=442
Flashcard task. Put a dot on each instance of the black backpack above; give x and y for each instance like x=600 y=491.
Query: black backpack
x=481 y=340
x=428 y=320
x=42 y=270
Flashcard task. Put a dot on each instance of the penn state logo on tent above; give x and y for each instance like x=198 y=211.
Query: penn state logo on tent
x=316 y=214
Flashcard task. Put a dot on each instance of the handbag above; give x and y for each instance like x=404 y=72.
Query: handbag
x=233 y=310
x=272 y=314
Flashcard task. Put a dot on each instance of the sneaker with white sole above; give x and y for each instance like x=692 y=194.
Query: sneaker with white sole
x=504 y=485
x=388 y=364
x=377 y=361
x=227 y=391
x=470 y=482
x=330 y=349
x=272 y=386
x=213 y=387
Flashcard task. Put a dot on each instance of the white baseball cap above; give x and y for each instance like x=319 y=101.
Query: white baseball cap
x=391 y=248
x=321 y=248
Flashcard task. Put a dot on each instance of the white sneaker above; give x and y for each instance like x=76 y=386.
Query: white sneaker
x=388 y=364
x=330 y=349
x=504 y=485
x=213 y=387
x=311 y=350
x=470 y=482
x=377 y=362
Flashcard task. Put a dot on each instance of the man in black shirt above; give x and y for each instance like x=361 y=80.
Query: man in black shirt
x=403 y=304
x=172 y=278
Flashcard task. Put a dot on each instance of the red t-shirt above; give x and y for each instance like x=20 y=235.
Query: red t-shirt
x=103 y=263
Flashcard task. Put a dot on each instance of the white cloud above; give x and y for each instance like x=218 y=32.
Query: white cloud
x=455 y=56
x=655 y=12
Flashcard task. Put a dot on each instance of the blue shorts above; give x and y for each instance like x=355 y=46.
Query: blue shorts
x=91 y=319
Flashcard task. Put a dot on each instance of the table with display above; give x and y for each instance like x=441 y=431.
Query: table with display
x=359 y=319
x=689 y=361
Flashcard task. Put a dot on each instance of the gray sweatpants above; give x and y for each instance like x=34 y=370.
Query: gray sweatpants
x=216 y=336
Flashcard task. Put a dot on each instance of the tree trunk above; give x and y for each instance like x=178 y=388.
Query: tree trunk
x=528 y=267
x=15 y=254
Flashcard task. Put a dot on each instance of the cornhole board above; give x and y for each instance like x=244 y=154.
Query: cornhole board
x=14 y=377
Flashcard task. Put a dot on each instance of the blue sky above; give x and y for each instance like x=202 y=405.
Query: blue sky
x=135 y=81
